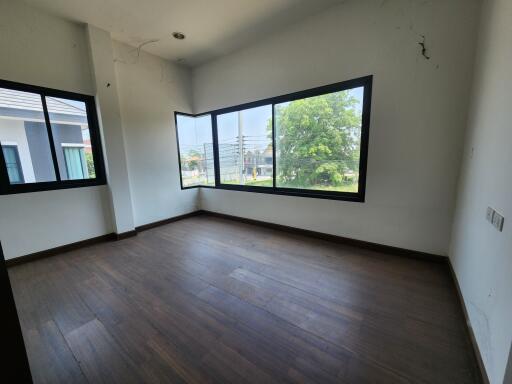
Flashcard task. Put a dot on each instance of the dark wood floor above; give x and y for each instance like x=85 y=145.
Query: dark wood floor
x=209 y=300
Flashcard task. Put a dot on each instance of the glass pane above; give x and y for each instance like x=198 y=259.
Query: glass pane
x=196 y=150
x=71 y=136
x=318 y=141
x=245 y=147
x=23 y=129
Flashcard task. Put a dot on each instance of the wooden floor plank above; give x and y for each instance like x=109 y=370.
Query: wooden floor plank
x=99 y=356
x=51 y=360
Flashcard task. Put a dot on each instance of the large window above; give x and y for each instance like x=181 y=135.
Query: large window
x=49 y=138
x=318 y=141
x=195 y=150
x=312 y=143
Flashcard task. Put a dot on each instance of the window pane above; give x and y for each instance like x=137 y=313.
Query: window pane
x=24 y=138
x=318 y=141
x=76 y=166
x=245 y=147
x=70 y=130
x=13 y=164
x=196 y=150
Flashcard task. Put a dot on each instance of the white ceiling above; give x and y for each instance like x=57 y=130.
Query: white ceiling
x=213 y=27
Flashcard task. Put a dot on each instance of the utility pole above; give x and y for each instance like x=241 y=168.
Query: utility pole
x=241 y=147
x=205 y=165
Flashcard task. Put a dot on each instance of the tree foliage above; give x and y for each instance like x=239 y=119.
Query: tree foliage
x=192 y=159
x=317 y=139
x=90 y=165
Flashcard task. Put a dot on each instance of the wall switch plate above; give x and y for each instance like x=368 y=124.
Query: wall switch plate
x=489 y=215
x=498 y=221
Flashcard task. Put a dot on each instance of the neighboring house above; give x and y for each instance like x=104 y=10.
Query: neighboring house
x=259 y=163
x=24 y=137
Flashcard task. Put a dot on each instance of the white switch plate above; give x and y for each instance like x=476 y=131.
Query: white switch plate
x=498 y=221
x=494 y=218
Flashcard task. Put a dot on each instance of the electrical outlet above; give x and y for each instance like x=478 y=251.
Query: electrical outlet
x=498 y=221
x=490 y=214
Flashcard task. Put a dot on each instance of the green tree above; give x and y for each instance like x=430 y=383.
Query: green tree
x=90 y=165
x=192 y=159
x=317 y=139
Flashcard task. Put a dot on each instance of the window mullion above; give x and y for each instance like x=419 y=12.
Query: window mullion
x=4 y=175
x=273 y=146
x=50 y=137
x=216 y=161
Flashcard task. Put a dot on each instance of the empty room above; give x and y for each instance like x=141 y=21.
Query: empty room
x=256 y=191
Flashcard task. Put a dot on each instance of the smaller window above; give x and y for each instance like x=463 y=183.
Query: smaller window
x=50 y=140
x=13 y=164
x=22 y=122
x=195 y=150
x=70 y=130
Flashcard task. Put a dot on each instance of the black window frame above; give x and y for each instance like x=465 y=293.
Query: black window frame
x=6 y=188
x=366 y=82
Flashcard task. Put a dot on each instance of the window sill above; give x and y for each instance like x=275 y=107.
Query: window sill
x=342 y=196
x=50 y=186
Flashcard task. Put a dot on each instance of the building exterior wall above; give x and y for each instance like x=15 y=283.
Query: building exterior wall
x=38 y=144
x=31 y=138
x=69 y=134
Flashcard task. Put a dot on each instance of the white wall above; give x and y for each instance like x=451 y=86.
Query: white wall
x=32 y=222
x=136 y=113
x=41 y=49
x=482 y=256
x=44 y=50
x=417 y=123
x=111 y=128
x=150 y=90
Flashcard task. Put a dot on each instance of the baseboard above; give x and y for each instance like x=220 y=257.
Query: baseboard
x=94 y=240
x=476 y=349
x=154 y=224
x=61 y=249
x=125 y=235
x=337 y=239
x=319 y=235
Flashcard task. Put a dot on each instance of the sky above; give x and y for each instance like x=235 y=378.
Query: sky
x=74 y=103
x=194 y=131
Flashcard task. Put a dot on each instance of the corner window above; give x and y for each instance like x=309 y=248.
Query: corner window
x=311 y=143
x=57 y=140
x=195 y=150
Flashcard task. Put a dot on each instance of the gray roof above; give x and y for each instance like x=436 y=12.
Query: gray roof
x=28 y=105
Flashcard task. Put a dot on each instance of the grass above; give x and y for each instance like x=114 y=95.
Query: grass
x=350 y=186
x=259 y=183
